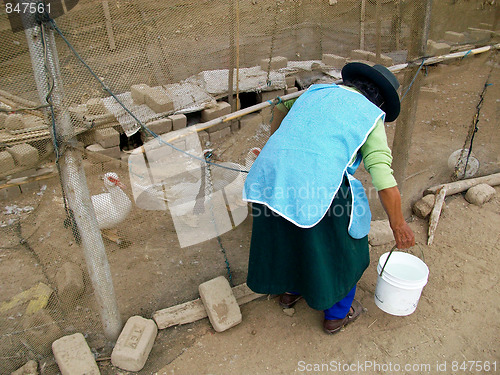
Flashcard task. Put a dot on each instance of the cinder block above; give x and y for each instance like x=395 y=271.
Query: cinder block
x=480 y=194
x=360 y=54
x=160 y=126
x=264 y=96
x=277 y=62
x=108 y=137
x=112 y=152
x=423 y=207
x=69 y=283
x=290 y=90
x=253 y=119
x=220 y=303
x=96 y=107
x=219 y=134
x=40 y=331
x=437 y=49
x=73 y=356
x=24 y=154
x=333 y=60
x=290 y=81
x=134 y=344
x=219 y=109
x=158 y=100
x=14 y=122
x=139 y=93
x=30 y=368
x=454 y=37
x=6 y=162
x=380 y=233
x=179 y=121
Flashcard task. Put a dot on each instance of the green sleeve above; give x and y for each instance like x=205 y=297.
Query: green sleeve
x=377 y=158
x=286 y=105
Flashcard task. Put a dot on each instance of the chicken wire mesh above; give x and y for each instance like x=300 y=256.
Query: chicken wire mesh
x=167 y=200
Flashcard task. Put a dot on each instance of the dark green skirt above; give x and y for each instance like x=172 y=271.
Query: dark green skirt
x=322 y=263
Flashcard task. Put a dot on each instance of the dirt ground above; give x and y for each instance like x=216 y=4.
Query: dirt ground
x=457 y=319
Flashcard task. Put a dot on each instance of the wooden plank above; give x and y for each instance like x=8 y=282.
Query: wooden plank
x=436 y=211
x=462 y=185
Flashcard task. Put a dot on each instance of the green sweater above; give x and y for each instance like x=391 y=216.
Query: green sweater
x=377 y=157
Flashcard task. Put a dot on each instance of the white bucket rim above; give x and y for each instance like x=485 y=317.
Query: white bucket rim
x=397 y=281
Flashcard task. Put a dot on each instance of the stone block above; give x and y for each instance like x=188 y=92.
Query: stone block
x=480 y=35
x=360 y=54
x=480 y=194
x=219 y=134
x=69 y=283
x=179 y=121
x=423 y=207
x=134 y=344
x=163 y=125
x=40 y=331
x=380 y=233
x=290 y=90
x=73 y=356
x=220 y=303
x=264 y=96
x=158 y=100
x=333 y=60
x=24 y=154
x=275 y=63
x=218 y=110
x=108 y=137
x=139 y=93
x=30 y=368
x=437 y=49
x=14 y=122
x=386 y=60
x=6 y=162
x=454 y=37
x=204 y=138
x=253 y=119
x=290 y=81
x=112 y=152
x=95 y=106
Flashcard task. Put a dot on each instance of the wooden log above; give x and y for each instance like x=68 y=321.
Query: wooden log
x=192 y=311
x=436 y=211
x=109 y=26
x=462 y=185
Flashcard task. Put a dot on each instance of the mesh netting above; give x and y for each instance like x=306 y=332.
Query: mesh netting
x=116 y=201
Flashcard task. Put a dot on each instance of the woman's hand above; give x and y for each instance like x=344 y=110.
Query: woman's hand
x=404 y=236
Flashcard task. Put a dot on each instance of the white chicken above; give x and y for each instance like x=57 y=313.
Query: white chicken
x=113 y=207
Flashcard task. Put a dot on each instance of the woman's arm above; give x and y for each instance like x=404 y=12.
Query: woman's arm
x=391 y=201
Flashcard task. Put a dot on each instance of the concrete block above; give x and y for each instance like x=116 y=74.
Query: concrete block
x=290 y=90
x=219 y=109
x=108 y=137
x=380 y=233
x=253 y=119
x=360 y=54
x=10 y=193
x=335 y=61
x=112 y=152
x=220 y=303
x=24 y=154
x=139 y=93
x=386 y=60
x=290 y=81
x=163 y=125
x=454 y=37
x=277 y=62
x=204 y=138
x=423 y=207
x=437 y=49
x=179 y=121
x=40 y=331
x=270 y=95
x=95 y=106
x=73 y=356
x=480 y=194
x=6 y=162
x=30 y=368
x=158 y=100
x=69 y=283
x=14 y=122
x=480 y=35
x=219 y=134
x=134 y=344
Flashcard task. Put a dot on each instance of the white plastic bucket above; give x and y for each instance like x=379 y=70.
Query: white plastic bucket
x=400 y=286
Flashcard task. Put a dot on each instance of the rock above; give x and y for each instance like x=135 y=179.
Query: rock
x=424 y=206
x=380 y=233
x=480 y=194
x=70 y=284
x=30 y=368
x=289 y=312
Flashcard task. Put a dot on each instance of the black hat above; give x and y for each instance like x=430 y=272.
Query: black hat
x=383 y=78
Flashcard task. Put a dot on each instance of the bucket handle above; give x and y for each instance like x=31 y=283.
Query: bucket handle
x=394 y=248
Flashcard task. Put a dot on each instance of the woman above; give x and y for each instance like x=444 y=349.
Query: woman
x=310 y=215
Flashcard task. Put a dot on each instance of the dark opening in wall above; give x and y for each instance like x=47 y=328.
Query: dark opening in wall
x=248 y=99
x=193 y=118
x=129 y=143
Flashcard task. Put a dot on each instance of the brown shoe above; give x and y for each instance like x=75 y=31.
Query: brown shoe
x=334 y=326
x=288 y=300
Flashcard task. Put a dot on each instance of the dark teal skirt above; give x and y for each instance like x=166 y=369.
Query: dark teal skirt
x=322 y=263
